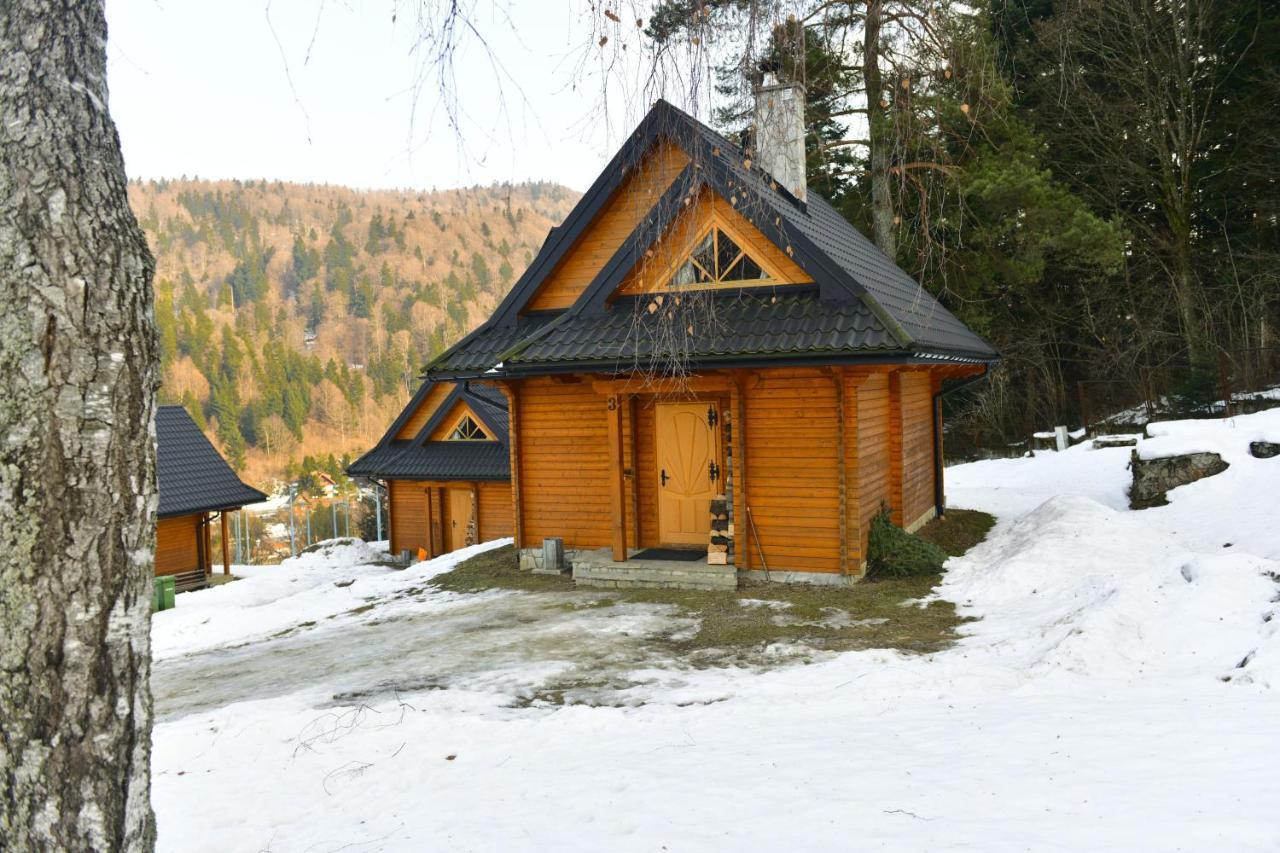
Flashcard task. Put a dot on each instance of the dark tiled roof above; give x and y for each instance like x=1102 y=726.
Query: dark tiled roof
x=739 y=325
x=435 y=460
x=480 y=350
x=192 y=475
x=929 y=326
x=854 y=278
x=420 y=459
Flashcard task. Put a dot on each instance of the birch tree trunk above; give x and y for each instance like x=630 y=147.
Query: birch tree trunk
x=78 y=353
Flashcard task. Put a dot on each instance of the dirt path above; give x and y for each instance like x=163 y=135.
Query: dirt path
x=512 y=643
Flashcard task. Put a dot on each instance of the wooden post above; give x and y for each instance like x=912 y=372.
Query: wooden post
x=742 y=536
x=207 y=561
x=226 y=545
x=895 y=449
x=632 y=421
x=513 y=446
x=940 y=459
x=391 y=521
x=853 y=382
x=617 y=489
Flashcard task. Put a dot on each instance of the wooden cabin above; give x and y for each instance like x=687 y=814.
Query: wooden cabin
x=445 y=463
x=707 y=360
x=197 y=487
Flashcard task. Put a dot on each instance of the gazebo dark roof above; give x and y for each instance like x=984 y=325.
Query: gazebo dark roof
x=193 y=476
x=862 y=306
x=419 y=459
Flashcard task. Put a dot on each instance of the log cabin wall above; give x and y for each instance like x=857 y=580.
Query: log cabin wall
x=563 y=463
x=412 y=510
x=792 y=475
x=409 y=518
x=917 y=448
x=793 y=470
x=177 y=544
x=495 y=510
x=873 y=450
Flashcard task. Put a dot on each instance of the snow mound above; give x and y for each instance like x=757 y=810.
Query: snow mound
x=1076 y=587
x=1228 y=437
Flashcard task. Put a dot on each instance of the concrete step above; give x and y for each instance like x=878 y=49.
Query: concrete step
x=655 y=574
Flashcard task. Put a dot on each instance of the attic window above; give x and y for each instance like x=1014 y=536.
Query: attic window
x=467 y=430
x=717 y=259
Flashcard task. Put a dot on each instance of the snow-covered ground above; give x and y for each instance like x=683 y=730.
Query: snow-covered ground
x=1120 y=690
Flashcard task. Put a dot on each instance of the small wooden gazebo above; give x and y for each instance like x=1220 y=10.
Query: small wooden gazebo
x=196 y=485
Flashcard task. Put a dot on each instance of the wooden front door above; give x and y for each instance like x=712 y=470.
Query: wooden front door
x=688 y=446
x=459 y=518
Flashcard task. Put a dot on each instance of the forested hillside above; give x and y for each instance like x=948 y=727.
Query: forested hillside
x=294 y=319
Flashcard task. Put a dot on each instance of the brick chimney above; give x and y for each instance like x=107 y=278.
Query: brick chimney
x=779 y=135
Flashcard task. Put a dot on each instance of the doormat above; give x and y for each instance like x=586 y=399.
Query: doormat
x=669 y=554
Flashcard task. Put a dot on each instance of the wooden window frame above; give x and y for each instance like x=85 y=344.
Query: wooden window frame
x=475 y=422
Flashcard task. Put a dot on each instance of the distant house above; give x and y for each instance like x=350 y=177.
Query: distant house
x=196 y=485
x=445 y=463
x=706 y=361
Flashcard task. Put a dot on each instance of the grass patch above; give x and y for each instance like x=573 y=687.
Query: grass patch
x=736 y=626
x=498 y=569
x=958 y=530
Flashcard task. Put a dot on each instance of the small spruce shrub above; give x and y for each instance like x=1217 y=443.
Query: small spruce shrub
x=1197 y=389
x=894 y=553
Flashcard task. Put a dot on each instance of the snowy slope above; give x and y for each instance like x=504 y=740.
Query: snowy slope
x=1119 y=691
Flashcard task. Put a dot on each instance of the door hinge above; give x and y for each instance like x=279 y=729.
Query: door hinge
x=712 y=416
x=714 y=470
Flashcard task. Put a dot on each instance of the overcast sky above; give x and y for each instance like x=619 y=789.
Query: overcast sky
x=322 y=91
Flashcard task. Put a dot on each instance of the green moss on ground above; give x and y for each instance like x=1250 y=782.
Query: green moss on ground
x=873 y=614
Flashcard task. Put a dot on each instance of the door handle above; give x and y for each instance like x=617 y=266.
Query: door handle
x=664 y=476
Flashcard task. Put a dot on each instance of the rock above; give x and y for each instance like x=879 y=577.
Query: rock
x=1152 y=478
x=1103 y=441
x=1264 y=449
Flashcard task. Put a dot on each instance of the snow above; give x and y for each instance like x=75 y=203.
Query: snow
x=1118 y=690
x=301 y=589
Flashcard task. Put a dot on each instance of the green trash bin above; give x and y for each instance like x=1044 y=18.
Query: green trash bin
x=163 y=596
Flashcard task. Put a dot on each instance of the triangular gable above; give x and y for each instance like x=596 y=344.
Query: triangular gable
x=629 y=203
x=456 y=418
x=843 y=264
x=707 y=224
x=420 y=409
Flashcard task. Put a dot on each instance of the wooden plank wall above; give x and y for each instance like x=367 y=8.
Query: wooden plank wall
x=408 y=516
x=631 y=201
x=176 y=550
x=564 y=463
x=873 y=450
x=917 y=445
x=495 y=511
x=792 y=469
x=425 y=410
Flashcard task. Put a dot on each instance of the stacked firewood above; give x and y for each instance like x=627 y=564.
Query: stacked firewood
x=721 y=548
